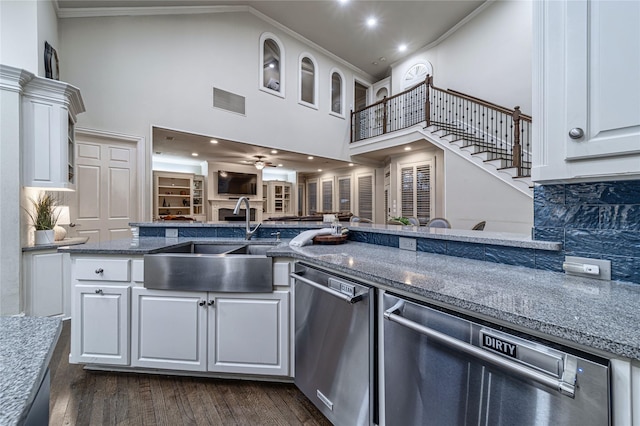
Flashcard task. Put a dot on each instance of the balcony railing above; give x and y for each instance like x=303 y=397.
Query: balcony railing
x=500 y=132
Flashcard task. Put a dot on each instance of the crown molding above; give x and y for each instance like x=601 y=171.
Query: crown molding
x=95 y=12
x=451 y=31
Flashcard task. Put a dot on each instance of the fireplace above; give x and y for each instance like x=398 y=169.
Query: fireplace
x=228 y=216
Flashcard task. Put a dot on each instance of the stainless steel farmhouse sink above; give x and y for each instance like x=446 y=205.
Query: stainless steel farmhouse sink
x=237 y=268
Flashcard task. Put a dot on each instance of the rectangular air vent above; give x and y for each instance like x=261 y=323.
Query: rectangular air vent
x=228 y=101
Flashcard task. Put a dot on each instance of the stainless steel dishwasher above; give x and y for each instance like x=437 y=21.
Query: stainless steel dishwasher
x=441 y=369
x=334 y=349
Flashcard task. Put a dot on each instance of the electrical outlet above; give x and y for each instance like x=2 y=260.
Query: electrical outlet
x=586 y=267
x=171 y=233
x=407 y=243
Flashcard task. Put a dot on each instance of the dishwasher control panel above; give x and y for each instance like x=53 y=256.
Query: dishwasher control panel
x=342 y=287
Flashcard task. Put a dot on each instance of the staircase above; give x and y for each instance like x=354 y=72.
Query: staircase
x=493 y=137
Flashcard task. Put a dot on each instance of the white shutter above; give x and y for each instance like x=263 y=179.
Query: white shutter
x=415 y=191
x=312 y=197
x=327 y=195
x=344 y=194
x=365 y=196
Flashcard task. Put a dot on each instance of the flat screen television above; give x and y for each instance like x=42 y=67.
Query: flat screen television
x=234 y=183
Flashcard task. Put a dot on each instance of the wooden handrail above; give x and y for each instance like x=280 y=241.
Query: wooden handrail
x=483 y=102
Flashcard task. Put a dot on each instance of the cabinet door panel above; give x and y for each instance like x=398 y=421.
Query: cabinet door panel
x=100 y=326
x=249 y=334
x=169 y=330
x=47 y=284
x=603 y=64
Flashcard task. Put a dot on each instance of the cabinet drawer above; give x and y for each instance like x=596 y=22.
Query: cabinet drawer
x=103 y=269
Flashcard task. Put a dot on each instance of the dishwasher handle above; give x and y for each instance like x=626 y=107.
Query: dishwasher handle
x=566 y=385
x=342 y=296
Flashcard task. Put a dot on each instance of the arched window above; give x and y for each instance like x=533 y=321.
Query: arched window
x=416 y=75
x=337 y=93
x=308 y=81
x=271 y=64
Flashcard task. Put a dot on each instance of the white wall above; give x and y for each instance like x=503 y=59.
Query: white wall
x=473 y=195
x=24 y=27
x=139 y=71
x=489 y=57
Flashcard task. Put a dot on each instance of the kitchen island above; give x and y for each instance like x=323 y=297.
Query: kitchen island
x=26 y=346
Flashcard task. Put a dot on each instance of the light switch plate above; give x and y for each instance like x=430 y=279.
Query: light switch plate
x=407 y=243
x=171 y=233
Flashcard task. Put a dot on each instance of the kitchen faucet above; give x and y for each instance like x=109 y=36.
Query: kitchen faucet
x=248 y=232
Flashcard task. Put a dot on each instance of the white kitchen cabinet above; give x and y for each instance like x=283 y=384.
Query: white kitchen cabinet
x=100 y=324
x=217 y=332
x=169 y=329
x=586 y=90
x=49 y=110
x=46 y=276
x=101 y=307
x=248 y=334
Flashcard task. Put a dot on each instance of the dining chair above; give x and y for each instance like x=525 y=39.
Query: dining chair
x=414 y=221
x=438 y=222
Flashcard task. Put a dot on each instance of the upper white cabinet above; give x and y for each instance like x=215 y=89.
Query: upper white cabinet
x=49 y=110
x=586 y=90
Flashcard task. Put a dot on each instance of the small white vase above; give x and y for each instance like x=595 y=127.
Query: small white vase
x=44 y=237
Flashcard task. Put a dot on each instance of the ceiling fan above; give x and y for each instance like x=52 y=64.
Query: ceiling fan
x=261 y=164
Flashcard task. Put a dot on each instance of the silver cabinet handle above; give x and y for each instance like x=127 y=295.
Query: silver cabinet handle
x=345 y=297
x=99 y=271
x=576 y=133
x=99 y=291
x=566 y=385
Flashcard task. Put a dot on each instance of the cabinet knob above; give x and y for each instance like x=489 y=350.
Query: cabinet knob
x=576 y=133
x=211 y=302
x=99 y=271
x=202 y=303
x=99 y=291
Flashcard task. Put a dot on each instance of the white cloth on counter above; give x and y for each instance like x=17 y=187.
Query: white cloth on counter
x=305 y=238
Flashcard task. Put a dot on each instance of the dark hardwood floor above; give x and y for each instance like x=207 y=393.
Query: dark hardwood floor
x=80 y=397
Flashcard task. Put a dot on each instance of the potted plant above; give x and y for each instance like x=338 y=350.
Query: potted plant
x=43 y=218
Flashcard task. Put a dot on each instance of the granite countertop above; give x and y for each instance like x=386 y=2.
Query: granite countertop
x=26 y=346
x=55 y=245
x=585 y=313
x=593 y=314
x=462 y=235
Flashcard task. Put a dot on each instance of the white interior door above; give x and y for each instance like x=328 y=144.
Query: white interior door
x=107 y=196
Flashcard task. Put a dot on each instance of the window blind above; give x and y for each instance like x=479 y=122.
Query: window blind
x=327 y=196
x=344 y=194
x=365 y=197
x=312 y=197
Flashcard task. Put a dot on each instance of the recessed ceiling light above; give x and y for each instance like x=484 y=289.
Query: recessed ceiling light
x=194 y=154
x=371 y=22
x=407 y=148
x=213 y=141
x=279 y=165
x=343 y=1
x=244 y=161
x=402 y=47
x=310 y=157
x=274 y=151
x=350 y=164
x=319 y=170
x=271 y=65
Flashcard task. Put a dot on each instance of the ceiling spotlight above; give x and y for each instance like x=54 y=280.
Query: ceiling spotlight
x=274 y=151
x=271 y=65
x=223 y=173
x=319 y=170
x=402 y=47
x=259 y=164
x=310 y=157
x=371 y=22
x=343 y=1
x=194 y=154
x=279 y=165
x=213 y=141
x=350 y=164
x=407 y=148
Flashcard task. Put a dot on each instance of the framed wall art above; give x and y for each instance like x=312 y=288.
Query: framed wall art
x=51 y=64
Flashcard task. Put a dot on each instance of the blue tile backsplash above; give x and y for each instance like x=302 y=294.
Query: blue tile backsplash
x=599 y=220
